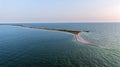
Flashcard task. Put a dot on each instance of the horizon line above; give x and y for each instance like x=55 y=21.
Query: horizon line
x=59 y=21
x=53 y=21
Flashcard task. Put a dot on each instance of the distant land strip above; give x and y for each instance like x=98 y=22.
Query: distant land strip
x=75 y=32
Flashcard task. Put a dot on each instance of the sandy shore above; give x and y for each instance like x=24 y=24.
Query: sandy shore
x=75 y=32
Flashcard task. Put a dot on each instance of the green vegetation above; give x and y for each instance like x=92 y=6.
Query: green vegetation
x=56 y=29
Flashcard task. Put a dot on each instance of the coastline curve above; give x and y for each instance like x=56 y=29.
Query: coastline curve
x=75 y=32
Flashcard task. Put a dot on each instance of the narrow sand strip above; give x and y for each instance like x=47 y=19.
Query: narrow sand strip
x=77 y=38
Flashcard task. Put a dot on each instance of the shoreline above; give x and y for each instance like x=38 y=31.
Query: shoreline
x=74 y=32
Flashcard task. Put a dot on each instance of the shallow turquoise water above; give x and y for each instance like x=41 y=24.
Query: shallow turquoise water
x=24 y=47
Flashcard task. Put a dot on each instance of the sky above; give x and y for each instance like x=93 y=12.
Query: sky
x=59 y=10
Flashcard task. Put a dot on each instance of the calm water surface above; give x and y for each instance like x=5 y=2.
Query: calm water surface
x=25 y=47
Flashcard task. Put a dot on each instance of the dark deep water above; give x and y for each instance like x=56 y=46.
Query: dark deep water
x=25 y=47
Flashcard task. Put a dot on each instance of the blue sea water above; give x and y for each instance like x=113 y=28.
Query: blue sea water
x=26 y=47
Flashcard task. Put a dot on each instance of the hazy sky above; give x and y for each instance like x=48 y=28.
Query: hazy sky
x=59 y=10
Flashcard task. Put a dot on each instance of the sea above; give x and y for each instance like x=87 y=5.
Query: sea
x=27 y=47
